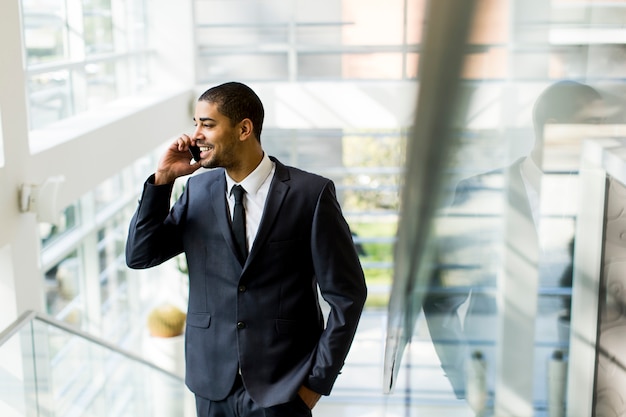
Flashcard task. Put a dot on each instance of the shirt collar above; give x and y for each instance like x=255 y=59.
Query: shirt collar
x=255 y=179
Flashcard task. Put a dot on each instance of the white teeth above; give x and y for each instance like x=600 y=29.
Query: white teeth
x=204 y=148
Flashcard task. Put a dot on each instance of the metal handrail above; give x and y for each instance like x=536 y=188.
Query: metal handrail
x=29 y=316
x=16 y=326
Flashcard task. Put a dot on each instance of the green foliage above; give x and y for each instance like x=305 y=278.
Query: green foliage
x=377 y=278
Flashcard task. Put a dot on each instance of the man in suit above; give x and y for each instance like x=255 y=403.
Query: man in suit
x=491 y=211
x=256 y=342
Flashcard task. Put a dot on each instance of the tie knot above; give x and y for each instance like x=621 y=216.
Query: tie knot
x=238 y=192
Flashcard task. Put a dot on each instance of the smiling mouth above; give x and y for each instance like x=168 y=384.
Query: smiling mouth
x=205 y=148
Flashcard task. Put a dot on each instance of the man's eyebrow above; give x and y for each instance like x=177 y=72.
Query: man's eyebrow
x=203 y=119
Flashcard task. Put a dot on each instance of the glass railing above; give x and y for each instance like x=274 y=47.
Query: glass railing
x=50 y=369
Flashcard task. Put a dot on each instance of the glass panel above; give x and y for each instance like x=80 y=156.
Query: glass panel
x=244 y=67
x=490 y=63
x=412 y=64
x=50 y=98
x=49 y=371
x=243 y=12
x=223 y=37
x=366 y=17
x=45 y=35
x=318 y=36
x=63 y=283
x=319 y=66
x=67 y=90
x=50 y=233
x=98 y=27
x=376 y=66
x=101 y=83
x=109 y=191
x=115 y=294
x=117 y=303
x=497 y=311
x=383 y=66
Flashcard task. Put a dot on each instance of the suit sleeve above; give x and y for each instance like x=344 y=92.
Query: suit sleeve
x=154 y=233
x=342 y=285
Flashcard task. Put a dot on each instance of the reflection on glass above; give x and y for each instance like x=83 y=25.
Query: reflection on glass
x=511 y=227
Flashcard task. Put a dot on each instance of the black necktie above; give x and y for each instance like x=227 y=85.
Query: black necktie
x=239 y=220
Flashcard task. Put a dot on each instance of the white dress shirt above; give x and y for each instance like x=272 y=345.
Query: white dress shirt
x=257 y=185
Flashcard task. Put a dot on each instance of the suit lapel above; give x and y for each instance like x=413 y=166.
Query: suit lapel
x=277 y=192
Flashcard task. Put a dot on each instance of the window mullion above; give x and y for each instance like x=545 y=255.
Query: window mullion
x=76 y=51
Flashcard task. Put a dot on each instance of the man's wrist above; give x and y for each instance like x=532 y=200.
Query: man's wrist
x=161 y=179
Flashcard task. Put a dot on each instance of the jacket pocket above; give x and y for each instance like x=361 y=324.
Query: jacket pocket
x=202 y=320
x=286 y=326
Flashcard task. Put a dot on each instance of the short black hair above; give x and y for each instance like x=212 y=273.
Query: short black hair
x=237 y=101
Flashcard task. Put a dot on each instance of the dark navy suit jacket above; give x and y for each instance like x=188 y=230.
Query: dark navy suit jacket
x=264 y=316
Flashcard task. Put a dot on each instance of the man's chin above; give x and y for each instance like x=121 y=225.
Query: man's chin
x=209 y=163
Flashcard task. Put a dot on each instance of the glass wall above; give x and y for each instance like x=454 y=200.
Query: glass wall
x=491 y=291
x=276 y=40
x=47 y=369
x=86 y=277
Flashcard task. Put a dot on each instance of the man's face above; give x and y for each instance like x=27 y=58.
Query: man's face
x=217 y=138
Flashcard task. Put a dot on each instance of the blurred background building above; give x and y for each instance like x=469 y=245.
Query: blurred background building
x=371 y=94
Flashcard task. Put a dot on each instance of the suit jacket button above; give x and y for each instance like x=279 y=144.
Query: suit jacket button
x=242 y=288
x=241 y=325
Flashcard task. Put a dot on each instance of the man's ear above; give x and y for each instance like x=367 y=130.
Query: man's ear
x=246 y=129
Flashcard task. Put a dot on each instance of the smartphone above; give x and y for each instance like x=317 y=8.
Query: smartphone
x=195 y=153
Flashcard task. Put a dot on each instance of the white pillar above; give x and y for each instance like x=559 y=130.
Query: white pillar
x=20 y=277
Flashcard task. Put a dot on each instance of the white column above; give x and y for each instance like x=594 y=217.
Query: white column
x=20 y=276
